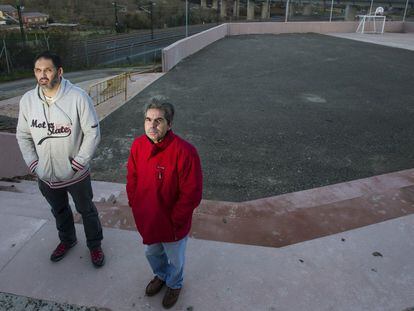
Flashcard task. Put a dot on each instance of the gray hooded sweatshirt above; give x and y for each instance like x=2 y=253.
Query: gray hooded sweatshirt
x=58 y=139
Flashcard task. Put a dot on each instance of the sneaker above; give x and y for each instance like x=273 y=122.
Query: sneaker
x=61 y=250
x=97 y=257
x=170 y=297
x=154 y=286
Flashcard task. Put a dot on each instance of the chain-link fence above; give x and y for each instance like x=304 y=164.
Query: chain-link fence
x=77 y=53
x=311 y=10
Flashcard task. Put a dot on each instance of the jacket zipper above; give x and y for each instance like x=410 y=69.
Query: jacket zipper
x=52 y=174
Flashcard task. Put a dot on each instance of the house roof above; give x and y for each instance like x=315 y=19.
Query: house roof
x=34 y=14
x=7 y=8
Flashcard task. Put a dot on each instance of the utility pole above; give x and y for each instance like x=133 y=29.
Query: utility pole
x=151 y=14
x=116 y=16
x=268 y=9
x=218 y=11
x=186 y=18
x=19 y=12
x=152 y=19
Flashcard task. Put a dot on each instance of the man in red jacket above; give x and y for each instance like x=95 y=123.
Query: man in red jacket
x=164 y=186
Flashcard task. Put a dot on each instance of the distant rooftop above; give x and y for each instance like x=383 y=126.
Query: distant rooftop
x=62 y=25
x=34 y=14
x=7 y=8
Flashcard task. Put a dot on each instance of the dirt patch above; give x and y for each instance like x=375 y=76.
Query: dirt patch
x=8 y=124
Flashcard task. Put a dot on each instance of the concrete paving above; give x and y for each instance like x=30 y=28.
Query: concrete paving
x=369 y=268
x=396 y=40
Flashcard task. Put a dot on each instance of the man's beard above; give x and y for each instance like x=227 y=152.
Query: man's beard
x=51 y=84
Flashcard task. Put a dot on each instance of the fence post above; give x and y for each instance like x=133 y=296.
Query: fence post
x=86 y=53
x=6 y=56
x=126 y=85
x=115 y=50
x=46 y=40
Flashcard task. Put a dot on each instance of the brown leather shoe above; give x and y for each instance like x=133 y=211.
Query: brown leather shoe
x=154 y=286
x=170 y=297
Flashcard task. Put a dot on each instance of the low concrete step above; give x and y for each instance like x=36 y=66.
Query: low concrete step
x=294 y=217
x=103 y=191
x=276 y=221
x=281 y=227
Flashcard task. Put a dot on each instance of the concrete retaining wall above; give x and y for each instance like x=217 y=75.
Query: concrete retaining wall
x=303 y=27
x=179 y=50
x=12 y=163
x=293 y=27
x=394 y=27
x=408 y=27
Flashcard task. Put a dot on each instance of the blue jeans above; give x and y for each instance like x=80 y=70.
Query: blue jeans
x=167 y=261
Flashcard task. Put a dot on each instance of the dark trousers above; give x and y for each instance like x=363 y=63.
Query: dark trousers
x=82 y=195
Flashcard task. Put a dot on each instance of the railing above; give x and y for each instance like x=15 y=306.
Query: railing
x=102 y=91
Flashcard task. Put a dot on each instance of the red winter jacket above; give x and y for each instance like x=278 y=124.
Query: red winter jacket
x=164 y=186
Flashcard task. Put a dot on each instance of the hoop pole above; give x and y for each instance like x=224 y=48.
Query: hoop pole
x=405 y=11
x=370 y=8
x=330 y=17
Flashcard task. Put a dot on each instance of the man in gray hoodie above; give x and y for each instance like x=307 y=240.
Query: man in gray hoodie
x=58 y=132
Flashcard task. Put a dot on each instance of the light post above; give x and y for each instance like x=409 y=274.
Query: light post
x=268 y=9
x=152 y=20
x=19 y=12
x=116 y=16
x=186 y=18
x=151 y=13
x=118 y=27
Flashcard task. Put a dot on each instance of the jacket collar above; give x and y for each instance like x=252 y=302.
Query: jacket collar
x=157 y=148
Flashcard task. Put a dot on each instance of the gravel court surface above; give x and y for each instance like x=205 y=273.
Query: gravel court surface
x=273 y=114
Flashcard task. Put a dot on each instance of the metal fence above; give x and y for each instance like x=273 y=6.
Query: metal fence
x=77 y=53
x=127 y=48
x=102 y=91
